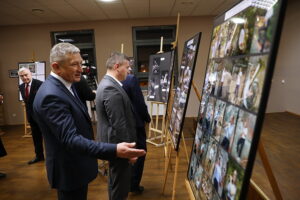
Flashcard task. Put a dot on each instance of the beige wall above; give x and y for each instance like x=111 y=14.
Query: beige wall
x=18 y=43
x=286 y=96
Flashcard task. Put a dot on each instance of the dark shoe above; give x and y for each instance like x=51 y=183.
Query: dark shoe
x=138 y=190
x=2 y=175
x=36 y=159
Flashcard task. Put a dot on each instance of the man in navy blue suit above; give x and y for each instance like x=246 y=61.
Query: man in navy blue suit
x=28 y=90
x=71 y=152
x=132 y=87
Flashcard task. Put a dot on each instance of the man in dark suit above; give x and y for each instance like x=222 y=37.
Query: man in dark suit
x=132 y=87
x=28 y=90
x=71 y=152
x=116 y=121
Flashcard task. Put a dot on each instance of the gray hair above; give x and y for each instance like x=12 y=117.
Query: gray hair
x=60 y=50
x=115 y=58
x=23 y=69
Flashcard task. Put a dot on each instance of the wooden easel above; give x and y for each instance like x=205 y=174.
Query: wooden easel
x=266 y=164
x=27 y=128
x=156 y=132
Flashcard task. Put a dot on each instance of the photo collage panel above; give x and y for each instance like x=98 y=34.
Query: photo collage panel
x=182 y=90
x=160 y=71
x=231 y=98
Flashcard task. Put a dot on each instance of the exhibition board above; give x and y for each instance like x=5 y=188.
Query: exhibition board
x=235 y=91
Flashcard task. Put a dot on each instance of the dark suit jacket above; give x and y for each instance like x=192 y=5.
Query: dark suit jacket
x=67 y=130
x=84 y=91
x=35 y=85
x=132 y=87
x=116 y=121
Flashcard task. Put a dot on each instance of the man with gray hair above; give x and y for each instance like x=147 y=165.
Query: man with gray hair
x=71 y=152
x=116 y=121
x=28 y=90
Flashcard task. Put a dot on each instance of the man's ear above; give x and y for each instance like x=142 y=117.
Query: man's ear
x=55 y=66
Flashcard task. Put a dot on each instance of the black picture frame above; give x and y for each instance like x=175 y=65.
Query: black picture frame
x=182 y=92
x=234 y=98
x=13 y=73
x=160 y=72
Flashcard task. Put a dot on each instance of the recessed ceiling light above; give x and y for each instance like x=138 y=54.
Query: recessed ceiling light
x=238 y=20
x=106 y=0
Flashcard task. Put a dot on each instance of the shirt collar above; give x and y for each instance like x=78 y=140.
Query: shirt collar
x=66 y=83
x=115 y=79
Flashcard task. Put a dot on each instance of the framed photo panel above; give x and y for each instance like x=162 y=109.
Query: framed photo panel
x=37 y=69
x=182 y=91
x=237 y=81
x=160 y=71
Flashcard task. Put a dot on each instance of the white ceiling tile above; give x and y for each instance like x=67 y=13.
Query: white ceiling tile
x=137 y=8
x=161 y=8
x=184 y=7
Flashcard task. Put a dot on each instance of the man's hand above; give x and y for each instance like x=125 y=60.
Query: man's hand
x=126 y=150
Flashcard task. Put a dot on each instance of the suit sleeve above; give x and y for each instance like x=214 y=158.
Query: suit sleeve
x=140 y=102
x=57 y=115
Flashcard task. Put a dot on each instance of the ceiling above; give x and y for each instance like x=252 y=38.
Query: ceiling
x=18 y=12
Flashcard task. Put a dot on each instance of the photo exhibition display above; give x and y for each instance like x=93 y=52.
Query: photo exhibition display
x=182 y=91
x=234 y=96
x=160 y=71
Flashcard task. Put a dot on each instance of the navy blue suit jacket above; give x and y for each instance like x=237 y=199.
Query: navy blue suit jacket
x=132 y=87
x=67 y=130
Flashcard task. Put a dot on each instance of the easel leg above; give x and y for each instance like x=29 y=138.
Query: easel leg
x=185 y=149
x=167 y=170
x=269 y=171
x=175 y=175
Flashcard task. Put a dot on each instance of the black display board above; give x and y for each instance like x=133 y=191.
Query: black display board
x=182 y=91
x=160 y=71
x=234 y=97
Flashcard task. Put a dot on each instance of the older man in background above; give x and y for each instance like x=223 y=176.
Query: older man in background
x=28 y=90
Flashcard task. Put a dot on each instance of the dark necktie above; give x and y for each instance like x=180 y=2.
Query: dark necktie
x=27 y=91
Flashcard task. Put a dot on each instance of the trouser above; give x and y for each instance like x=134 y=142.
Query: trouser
x=119 y=179
x=37 y=139
x=78 y=194
x=138 y=167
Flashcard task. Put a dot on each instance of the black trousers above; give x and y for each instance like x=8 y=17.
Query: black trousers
x=37 y=138
x=138 y=167
x=2 y=149
x=78 y=194
x=119 y=179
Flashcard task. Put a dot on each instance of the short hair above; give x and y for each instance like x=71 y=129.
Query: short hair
x=23 y=69
x=116 y=58
x=60 y=50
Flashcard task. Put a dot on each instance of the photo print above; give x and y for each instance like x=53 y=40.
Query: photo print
x=228 y=128
x=219 y=173
x=265 y=23
x=237 y=80
x=234 y=180
x=217 y=123
x=183 y=89
x=243 y=137
x=159 y=76
x=254 y=82
x=206 y=190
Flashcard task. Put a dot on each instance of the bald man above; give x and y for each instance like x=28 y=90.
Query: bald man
x=28 y=89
